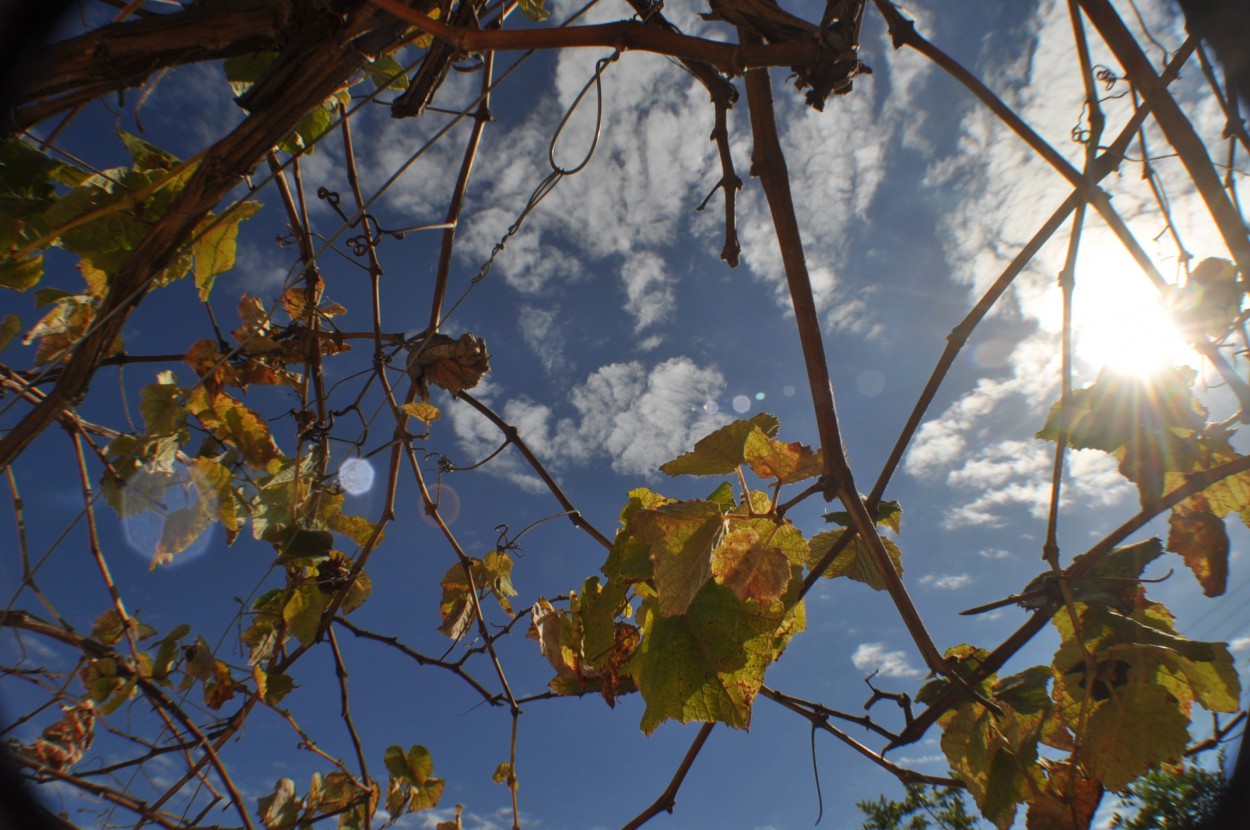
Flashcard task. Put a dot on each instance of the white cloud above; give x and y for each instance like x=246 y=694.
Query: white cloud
x=994 y=553
x=641 y=418
x=874 y=657
x=636 y=417
x=1239 y=644
x=946 y=582
x=541 y=331
x=650 y=296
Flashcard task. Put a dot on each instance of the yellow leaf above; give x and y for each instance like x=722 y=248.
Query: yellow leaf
x=424 y=411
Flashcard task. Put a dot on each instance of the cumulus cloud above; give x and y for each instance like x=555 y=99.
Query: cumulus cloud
x=635 y=416
x=874 y=657
x=946 y=582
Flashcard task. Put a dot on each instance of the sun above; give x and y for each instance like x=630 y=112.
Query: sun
x=1120 y=320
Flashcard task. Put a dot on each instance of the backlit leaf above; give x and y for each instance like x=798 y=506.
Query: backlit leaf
x=272 y=686
x=680 y=537
x=421 y=410
x=1200 y=538
x=147 y=156
x=10 y=327
x=534 y=9
x=855 y=560
x=21 y=274
x=302 y=613
x=708 y=663
x=216 y=245
x=280 y=809
x=722 y=451
x=750 y=566
x=1137 y=727
x=888 y=514
x=236 y=425
x=412 y=786
x=386 y=73
x=786 y=462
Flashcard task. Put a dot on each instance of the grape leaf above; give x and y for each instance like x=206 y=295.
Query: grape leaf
x=1200 y=538
x=1138 y=727
x=272 y=686
x=449 y=363
x=492 y=573
x=1068 y=802
x=786 y=462
x=302 y=613
x=995 y=756
x=680 y=537
x=421 y=410
x=855 y=560
x=282 y=807
x=708 y=663
x=236 y=425
x=751 y=566
x=386 y=73
x=412 y=785
x=888 y=514
x=216 y=245
x=722 y=451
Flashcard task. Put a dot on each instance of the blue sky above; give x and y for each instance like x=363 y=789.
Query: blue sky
x=617 y=339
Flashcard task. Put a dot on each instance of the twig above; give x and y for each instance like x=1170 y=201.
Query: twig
x=668 y=799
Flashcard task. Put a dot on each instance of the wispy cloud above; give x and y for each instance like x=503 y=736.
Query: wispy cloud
x=635 y=416
x=541 y=331
x=874 y=657
x=947 y=582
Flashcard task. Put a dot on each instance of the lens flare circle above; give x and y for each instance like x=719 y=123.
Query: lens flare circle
x=154 y=497
x=356 y=476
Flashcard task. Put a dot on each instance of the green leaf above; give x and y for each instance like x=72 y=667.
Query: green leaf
x=357 y=528
x=10 y=327
x=314 y=545
x=302 y=613
x=534 y=9
x=855 y=560
x=244 y=70
x=502 y=773
x=888 y=514
x=21 y=274
x=995 y=756
x=721 y=452
x=386 y=73
x=147 y=156
x=412 y=786
x=708 y=663
x=1138 y=727
x=680 y=537
x=217 y=244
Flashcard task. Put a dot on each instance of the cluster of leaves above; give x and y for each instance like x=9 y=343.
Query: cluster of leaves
x=699 y=597
x=1117 y=697
x=1166 y=798
x=1159 y=431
